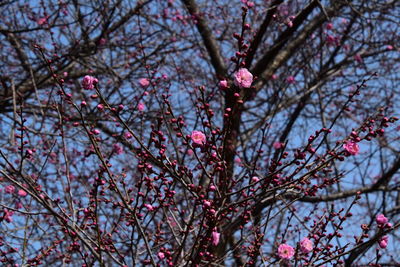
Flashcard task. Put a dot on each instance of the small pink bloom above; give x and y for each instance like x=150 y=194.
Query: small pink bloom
x=206 y=203
x=381 y=219
x=96 y=132
x=144 y=82
x=8 y=215
x=141 y=106
x=277 y=145
x=22 y=193
x=161 y=255
x=223 y=84
x=215 y=237
x=198 y=137
x=117 y=149
x=306 y=245
x=389 y=47
x=88 y=82
x=384 y=241
x=250 y=4
x=291 y=80
x=9 y=189
x=329 y=26
x=149 y=207
x=255 y=179
x=352 y=148
x=42 y=21
x=274 y=77
x=243 y=78
x=102 y=41
x=127 y=135
x=285 y=251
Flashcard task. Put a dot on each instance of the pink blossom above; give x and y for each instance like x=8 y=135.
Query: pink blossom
x=207 y=203
x=329 y=26
x=277 y=145
x=198 y=137
x=8 y=215
x=255 y=179
x=306 y=245
x=351 y=147
x=127 y=135
x=22 y=193
x=215 y=237
x=291 y=80
x=141 y=106
x=250 y=4
x=223 y=84
x=381 y=219
x=144 y=82
x=42 y=21
x=383 y=242
x=102 y=41
x=243 y=78
x=88 y=82
x=285 y=251
x=161 y=255
x=389 y=47
x=149 y=207
x=9 y=189
x=117 y=149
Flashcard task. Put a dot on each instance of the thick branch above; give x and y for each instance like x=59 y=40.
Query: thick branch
x=208 y=38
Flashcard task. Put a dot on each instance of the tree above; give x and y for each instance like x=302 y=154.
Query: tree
x=199 y=133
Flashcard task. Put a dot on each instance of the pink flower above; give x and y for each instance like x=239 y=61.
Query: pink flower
x=198 y=137
x=384 y=241
x=352 y=148
x=215 y=237
x=127 y=135
x=88 y=82
x=9 y=189
x=22 y=193
x=42 y=21
x=8 y=215
x=223 y=84
x=306 y=245
x=117 y=149
x=381 y=219
x=278 y=145
x=329 y=26
x=285 y=251
x=141 y=106
x=161 y=255
x=144 y=82
x=149 y=207
x=243 y=78
x=255 y=179
x=291 y=80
